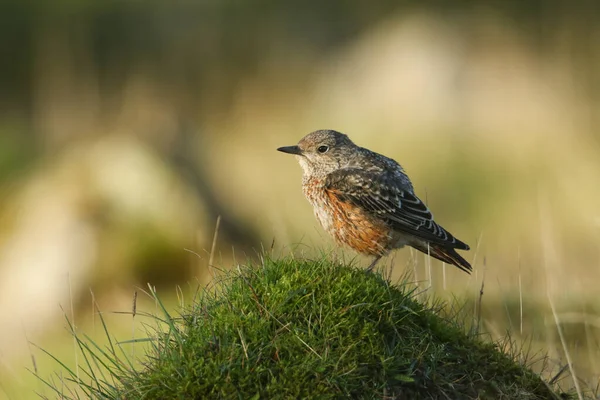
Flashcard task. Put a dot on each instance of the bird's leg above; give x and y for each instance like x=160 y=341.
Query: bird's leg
x=373 y=263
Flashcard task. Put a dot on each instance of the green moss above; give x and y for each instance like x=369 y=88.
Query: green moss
x=315 y=329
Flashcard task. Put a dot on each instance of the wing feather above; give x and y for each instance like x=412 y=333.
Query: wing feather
x=382 y=195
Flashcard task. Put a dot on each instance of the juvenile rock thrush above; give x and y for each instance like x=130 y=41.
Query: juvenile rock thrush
x=366 y=201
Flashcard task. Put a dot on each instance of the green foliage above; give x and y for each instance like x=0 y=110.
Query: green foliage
x=308 y=329
x=17 y=150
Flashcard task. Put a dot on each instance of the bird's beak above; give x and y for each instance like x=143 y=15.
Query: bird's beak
x=290 y=150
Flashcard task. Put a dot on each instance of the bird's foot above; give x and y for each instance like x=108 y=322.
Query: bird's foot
x=375 y=261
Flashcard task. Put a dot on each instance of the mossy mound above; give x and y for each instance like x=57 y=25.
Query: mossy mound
x=303 y=329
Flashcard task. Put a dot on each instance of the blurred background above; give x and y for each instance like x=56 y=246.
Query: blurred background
x=127 y=128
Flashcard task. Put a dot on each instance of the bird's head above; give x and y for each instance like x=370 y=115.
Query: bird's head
x=322 y=152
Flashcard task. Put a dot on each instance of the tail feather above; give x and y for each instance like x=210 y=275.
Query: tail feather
x=447 y=255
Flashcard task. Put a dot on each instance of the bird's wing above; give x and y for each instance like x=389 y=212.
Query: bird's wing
x=382 y=195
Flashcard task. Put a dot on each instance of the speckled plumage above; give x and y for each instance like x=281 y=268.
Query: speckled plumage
x=367 y=202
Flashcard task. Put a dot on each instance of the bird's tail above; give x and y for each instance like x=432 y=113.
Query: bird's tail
x=447 y=255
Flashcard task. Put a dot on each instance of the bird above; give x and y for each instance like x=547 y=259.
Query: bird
x=367 y=202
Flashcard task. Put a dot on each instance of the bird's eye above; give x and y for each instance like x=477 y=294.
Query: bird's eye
x=323 y=149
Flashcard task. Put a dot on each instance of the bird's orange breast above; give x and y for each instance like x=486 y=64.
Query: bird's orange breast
x=347 y=223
